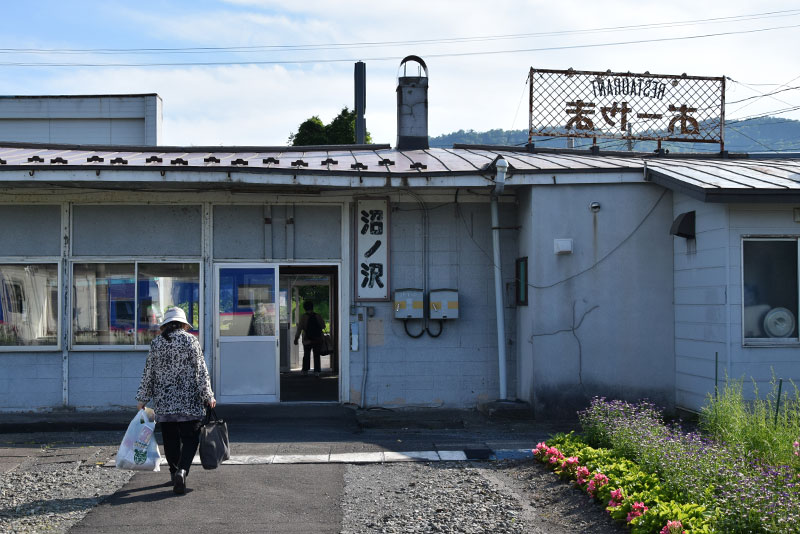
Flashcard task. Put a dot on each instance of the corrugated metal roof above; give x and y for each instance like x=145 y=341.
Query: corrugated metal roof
x=726 y=180
x=379 y=161
x=711 y=179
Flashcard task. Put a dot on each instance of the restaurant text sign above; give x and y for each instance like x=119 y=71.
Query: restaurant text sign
x=570 y=103
x=372 y=249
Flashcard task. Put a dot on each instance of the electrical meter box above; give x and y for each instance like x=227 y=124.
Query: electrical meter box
x=444 y=304
x=408 y=303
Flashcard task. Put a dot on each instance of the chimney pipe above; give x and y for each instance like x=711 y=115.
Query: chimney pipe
x=412 y=106
x=361 y=102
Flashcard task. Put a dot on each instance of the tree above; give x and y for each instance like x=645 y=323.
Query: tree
x=310 y=132
x=340 y=131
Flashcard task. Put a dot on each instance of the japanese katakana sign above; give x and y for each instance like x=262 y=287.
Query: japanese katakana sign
x=570 y=103
x=372 y=249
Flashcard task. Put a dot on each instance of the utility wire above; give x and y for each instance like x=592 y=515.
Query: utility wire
x=395 y=58
x=370 y=44
x=763 y=95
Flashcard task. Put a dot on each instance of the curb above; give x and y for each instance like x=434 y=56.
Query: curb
x=379 y=457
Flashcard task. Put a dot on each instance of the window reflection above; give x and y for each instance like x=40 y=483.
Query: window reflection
x=123 y=303
x=161 y=286
x=247 y=302
x=28 y=304
x=103 y=305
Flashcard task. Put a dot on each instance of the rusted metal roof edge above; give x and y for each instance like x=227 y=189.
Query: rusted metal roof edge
x=163 y=149
x=349 y=173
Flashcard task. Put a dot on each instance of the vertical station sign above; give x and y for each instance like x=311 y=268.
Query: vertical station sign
x=653 y=107
x=372 y=249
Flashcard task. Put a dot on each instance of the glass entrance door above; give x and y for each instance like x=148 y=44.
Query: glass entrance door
x=246 y=330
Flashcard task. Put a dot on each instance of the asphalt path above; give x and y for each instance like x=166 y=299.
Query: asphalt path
x=261 y=498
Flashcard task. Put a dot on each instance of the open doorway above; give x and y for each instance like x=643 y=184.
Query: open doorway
x=319 y=285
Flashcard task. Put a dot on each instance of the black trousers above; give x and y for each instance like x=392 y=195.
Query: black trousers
x=307 y=349
x=180 y=443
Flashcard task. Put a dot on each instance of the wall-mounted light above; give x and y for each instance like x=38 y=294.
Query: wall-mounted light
x=594 y=207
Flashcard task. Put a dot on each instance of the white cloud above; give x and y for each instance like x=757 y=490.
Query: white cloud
x=262 y=104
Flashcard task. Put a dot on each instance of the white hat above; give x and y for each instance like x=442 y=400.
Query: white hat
x=174 y=314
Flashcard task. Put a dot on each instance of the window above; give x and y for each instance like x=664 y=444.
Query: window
x=122 y=304
x=161 y=286
x=29 y=305
x=770 y=290
x=521 y=281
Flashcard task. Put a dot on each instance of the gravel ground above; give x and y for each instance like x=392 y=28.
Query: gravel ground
x=54 y=487
x=497 y=497
x=48 y=488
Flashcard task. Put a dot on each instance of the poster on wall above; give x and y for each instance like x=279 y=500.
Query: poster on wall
x=372 y=249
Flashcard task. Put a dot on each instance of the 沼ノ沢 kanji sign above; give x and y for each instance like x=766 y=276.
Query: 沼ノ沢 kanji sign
x=372 y=249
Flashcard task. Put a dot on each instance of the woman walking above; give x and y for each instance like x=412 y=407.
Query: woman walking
x=176 y=384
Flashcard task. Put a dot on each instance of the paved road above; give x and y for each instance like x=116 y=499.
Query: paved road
x=264 y=498
x=275 y=497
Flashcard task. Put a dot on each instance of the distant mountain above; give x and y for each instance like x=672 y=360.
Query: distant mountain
x=758 y=135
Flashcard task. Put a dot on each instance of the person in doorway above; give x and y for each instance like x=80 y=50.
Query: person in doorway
x=176 y=383
x=311 y=326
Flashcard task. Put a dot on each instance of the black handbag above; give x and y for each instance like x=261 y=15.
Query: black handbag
x=326 y=347
x=214 y=445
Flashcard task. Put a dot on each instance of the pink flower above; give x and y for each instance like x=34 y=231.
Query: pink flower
x=598 y=481
x=673 y=527
x=616 y=498
x=638 y=510
x=554 y=459
x=582 y=474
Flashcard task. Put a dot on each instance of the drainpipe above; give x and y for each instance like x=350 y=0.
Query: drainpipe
x=501 y=166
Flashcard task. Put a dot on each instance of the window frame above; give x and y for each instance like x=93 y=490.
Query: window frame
x=47 y=260
x=135 y=262
x=768 y=341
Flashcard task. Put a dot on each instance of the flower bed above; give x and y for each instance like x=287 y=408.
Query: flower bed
x=631 y=494
x=676 y=476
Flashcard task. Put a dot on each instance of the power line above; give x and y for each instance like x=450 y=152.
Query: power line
x=763 y=95
x=370 y=44
x=395 y=58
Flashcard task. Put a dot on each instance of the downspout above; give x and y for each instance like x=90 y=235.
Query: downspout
x=501 y=167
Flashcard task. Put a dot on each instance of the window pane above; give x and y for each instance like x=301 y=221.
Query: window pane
x=770 y=289
x=29 y=304
x=103 y=305
x=247 y=302
x=163 y=285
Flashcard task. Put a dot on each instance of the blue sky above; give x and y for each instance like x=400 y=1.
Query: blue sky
x=260 y=104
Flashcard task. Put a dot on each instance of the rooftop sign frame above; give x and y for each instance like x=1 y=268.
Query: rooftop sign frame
x=617 y=105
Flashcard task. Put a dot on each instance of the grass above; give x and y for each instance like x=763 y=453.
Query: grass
x=751 y=426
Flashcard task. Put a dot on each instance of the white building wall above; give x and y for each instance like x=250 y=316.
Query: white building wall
x=701 y=306
x=600 y=320
x=460 y=367
x=708 y=302
x=101 y=120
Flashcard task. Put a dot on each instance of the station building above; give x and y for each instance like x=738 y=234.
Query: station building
x=620 y=274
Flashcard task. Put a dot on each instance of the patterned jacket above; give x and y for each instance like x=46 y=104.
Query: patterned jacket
x=175 y=378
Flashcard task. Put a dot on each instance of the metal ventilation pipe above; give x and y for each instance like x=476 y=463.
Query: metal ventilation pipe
x=501 y=166
x=360 y=75
x=412 y=106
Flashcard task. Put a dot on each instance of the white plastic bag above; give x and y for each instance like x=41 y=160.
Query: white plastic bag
x=139 y=449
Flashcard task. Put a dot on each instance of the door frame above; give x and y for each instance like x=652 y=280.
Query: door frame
x=216 y=266
x=339 y=314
